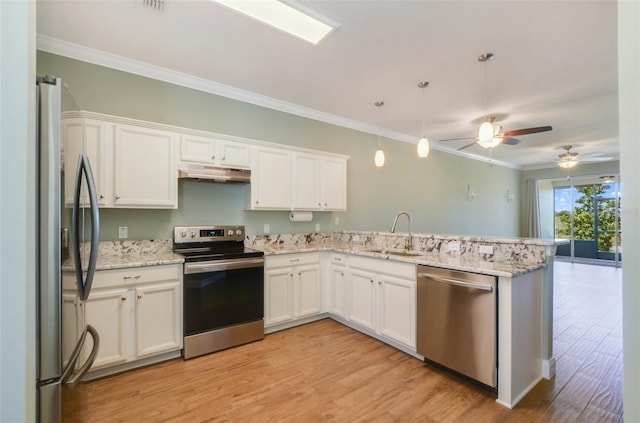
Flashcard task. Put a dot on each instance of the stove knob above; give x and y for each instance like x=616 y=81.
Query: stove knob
x=183 y=234
x=193 y=234
x=230 y=232
x=238 y=232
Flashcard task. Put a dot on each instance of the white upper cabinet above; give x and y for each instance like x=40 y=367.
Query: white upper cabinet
x=133 y=166
x=305 y=181
x=145 y=168
x=334 y=184
x=270 y=187
x=93 y=138
x=215 y=152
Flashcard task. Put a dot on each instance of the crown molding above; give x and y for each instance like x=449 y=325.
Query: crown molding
x=137 y=67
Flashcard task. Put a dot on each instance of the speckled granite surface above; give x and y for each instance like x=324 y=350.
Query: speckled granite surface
x=123 y=254
x=510 y=256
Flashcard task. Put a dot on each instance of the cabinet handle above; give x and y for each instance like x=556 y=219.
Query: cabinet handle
x=294 y=260
x=213 y=157
x=341 y=274
x=123 y=298
x=131 y=277
x=139 y=295
x=325 y=204
x=318 y=203
x=101 y=197
x=299 y=273
x=117 y=197
x=371 y=280
x=291 y=274
x=224 y=158
x=379 y=283
x=257 y=201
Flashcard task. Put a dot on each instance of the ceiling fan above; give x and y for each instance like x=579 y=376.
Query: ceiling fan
x=497 y=136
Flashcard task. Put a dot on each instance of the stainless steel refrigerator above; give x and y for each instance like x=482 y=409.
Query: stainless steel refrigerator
x=57 y=368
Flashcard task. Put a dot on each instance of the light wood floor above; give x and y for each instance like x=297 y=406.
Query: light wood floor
x=326 y=372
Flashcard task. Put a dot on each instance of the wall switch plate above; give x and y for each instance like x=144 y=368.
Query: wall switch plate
x=336 y=220
x=453 y=246
x=123 y=232
x=486 y=249
x=317 y=227
x=266 y=228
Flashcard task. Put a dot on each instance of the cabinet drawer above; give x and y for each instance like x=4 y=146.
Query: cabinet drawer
x=287 y=260
x=339 y=259
x=128 y=276
x=401 y=270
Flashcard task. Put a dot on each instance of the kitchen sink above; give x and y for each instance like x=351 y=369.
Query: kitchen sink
x=405 y=253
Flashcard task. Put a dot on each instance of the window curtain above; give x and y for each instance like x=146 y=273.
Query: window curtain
x=531 y=210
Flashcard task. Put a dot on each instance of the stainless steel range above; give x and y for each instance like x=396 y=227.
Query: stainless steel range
x=223 y=288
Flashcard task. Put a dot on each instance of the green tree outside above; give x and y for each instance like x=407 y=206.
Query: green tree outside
x=584 y=217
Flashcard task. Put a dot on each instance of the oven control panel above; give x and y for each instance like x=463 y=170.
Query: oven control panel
x=182 y=234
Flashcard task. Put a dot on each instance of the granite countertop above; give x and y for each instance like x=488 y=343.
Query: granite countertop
x=448 y=261
x=124 y=254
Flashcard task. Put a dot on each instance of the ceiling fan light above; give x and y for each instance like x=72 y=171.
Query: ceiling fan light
x=423 y=147
x=486 y=135
x=568 y=160
x=379 y=158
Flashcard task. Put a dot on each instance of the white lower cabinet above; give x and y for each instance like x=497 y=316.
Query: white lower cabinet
x=338 y=285
x=137 y=313
x=292 y=288
x=381 y=297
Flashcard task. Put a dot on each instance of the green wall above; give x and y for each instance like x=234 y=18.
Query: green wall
x=432 y=190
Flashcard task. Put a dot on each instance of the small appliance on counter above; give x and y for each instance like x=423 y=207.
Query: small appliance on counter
x=223 y=288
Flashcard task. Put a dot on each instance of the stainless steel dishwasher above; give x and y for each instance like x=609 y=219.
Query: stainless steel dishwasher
x=457 y=322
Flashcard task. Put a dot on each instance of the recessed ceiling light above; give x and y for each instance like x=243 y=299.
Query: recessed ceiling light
x=289 y=17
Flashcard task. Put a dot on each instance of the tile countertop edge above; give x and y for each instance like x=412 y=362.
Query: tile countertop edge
x=485 y=268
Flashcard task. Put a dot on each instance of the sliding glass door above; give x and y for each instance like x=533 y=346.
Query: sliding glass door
x=587 y=218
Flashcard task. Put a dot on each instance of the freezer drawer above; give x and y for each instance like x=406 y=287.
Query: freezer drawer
x=457 y=322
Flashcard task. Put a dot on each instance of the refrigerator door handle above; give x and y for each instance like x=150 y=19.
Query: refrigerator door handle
x=84 y=283
x=70 y=378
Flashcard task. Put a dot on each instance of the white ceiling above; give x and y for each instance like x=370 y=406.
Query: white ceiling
x=555 y=64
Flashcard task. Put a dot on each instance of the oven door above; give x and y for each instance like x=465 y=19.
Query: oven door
x=222 y=293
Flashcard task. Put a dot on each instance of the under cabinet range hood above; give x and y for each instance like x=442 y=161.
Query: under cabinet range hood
x=213 y=174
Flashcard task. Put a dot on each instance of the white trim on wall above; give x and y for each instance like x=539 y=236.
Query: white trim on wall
x=101 y=58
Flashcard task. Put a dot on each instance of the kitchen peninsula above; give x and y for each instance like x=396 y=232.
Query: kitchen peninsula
x=309 y=277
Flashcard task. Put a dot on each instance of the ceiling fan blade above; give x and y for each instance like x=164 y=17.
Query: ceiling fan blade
x=466 y=146
x=457 y=139
x=510 y=141
x=526 y=131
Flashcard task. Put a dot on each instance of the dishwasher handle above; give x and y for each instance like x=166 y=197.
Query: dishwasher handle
x=488 y=288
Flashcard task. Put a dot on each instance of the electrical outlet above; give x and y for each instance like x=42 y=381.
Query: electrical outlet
x=336 y=220
x=123 y=232
x=317 y=227
x=486 y=249
x=266 y=228
x=454 y=246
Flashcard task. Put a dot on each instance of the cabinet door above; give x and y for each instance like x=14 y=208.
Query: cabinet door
x=234 y=154
x=305 y=182
x=91 y=137
x=197 y=149
x=278 y=296
x=397 y=309
x=334 y=184
x=308 y=299
x=362 y=298
x=338 y=290
x=145 y=169
x=158 y=318
x=271 y=179
x=107 y=311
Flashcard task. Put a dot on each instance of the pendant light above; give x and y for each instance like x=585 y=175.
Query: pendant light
x=379 y=157
x=568 y=159
x=486 y=132
x=423 y=144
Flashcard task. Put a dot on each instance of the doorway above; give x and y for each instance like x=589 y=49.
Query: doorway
x=585 y=215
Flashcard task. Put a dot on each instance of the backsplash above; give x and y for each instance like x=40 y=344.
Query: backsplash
x=514 y=250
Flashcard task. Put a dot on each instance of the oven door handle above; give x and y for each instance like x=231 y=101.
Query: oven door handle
x=190 y=268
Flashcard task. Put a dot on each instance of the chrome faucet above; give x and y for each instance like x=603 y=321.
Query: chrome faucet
x=393 y=228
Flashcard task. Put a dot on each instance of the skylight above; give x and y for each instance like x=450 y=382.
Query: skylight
x=282 y=16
